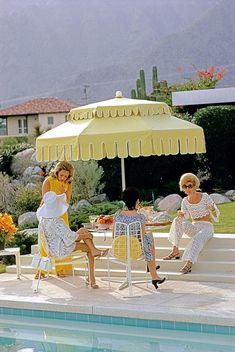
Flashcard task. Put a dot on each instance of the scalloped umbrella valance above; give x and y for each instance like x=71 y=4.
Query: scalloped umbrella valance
x=120 y=127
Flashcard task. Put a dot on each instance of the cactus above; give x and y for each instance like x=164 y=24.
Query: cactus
x=133 y=94
x=161 y=91
x=138 y=88
x=142 y=85
x=154 y=78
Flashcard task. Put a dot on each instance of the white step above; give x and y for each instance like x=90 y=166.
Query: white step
x=216 y=262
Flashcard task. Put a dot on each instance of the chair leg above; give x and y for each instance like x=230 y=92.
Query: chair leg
x=108 y=267
x=35 y=290
x=73 y=274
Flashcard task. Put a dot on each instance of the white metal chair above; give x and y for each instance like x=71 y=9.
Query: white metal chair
x=126 y=249
x=48 y=263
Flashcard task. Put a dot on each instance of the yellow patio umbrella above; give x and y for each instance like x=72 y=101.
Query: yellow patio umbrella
x=120 y=127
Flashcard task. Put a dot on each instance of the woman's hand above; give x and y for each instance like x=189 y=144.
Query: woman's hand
x=211 y=207
x=180 y=214
x=62 y=189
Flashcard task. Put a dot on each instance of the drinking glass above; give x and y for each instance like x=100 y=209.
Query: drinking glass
x=92 y=219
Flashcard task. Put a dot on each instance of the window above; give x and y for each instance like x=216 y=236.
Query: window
x=22 y=126
x=3 y=126
x=50 y=120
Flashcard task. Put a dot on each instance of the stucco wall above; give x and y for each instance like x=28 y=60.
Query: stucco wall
x=59 y=118
x=32 y=120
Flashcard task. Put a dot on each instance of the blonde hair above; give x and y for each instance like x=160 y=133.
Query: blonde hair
x=189 y=177
x=62 y=165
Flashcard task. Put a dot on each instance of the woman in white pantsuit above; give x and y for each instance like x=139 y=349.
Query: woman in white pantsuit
x=202 y=210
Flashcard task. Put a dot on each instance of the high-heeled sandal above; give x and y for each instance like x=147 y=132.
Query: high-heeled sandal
x=103 y=253
x=94 y=286
x=157 y=268
x=186 y=269
x=60 y=274
x=42 y=276
x=172 y=256
x=158 y=282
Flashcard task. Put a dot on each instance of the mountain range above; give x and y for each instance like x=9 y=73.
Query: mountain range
x=85 y=50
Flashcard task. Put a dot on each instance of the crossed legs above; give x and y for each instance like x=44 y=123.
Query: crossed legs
x=88 y=246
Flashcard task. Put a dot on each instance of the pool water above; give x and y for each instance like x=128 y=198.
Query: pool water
x=29 y=334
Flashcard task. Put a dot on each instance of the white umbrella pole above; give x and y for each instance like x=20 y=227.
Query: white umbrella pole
x=123 y=174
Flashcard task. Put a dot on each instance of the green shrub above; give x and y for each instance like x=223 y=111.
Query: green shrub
x=7 y=194
x=27 y=199
x=87 y=179
x=6 y=155
x=218 y=123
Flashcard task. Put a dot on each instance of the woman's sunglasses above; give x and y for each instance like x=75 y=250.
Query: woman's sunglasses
x=187 y=186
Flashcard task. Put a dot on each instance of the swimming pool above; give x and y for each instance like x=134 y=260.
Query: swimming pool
x=43 y=331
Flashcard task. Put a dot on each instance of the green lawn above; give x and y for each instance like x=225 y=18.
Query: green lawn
x=227 y=219
x=2 y=268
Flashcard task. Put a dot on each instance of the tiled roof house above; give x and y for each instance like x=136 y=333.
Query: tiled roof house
x=21 y=119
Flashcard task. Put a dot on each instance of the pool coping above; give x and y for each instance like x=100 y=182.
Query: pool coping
x=189 y=316
x=182 y=302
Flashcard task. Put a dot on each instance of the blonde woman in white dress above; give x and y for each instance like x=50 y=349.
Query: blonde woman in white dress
x=202 y=210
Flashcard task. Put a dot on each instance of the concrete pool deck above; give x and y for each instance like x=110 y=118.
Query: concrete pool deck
x=181 y=301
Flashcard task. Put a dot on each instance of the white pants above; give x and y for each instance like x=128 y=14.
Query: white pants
x=199 y=231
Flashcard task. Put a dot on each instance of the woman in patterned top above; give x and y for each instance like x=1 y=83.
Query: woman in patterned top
x=202 y=210
x=130 y=214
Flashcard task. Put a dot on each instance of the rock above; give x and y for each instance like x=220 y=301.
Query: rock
x=25 y=154
x=31 y=185
x=98 y=199
x=162 y=217
x=230 y=193
x=156 y=202
x=170 y=203
x=32 y=170
x=37 y=178
x=28 y=218
x=219 y=198
x=83 y=203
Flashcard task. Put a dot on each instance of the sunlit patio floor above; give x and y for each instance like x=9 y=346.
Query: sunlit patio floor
x=187 y=301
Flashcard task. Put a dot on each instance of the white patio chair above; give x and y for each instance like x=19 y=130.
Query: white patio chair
x=49 y=263
x=126 y=249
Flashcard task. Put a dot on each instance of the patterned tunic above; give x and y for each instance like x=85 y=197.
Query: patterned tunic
x=60 y=239
x=147 y=240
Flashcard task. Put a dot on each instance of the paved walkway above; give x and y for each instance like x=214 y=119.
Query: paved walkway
x=198 y=302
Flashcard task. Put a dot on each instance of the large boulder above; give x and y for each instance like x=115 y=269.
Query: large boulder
x=230 y=193
x=98 y=199
x=162 y=217
x=25 y=154
x=157 y=200
x=83 y=203
x=219 y=198
x=32 y=170
x=29 y=218
x=170 y=203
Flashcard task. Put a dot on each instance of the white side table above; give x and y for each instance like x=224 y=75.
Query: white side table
x=16 y=253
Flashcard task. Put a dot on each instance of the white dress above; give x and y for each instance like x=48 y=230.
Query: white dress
x=60 y=238
x=199 y=231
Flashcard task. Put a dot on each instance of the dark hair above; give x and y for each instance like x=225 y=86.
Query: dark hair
x=130 y=196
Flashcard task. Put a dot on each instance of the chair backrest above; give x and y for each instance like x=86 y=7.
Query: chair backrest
x=124 y=235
